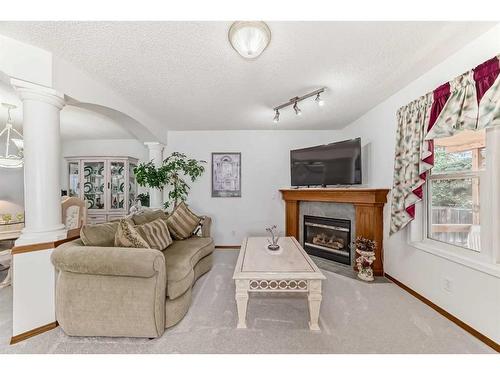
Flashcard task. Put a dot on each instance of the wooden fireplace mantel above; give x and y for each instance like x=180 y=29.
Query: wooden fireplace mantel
x=368 y=204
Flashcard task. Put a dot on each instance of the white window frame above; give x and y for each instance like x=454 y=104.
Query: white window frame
x=479 y=174
x=488 y=260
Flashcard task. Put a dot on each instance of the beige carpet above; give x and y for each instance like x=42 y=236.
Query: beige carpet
x=355 y=318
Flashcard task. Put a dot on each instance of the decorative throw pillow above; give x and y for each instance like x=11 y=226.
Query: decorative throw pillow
x=147 y=216
x=98 y=234
x=156 y=234
x=127 y=236
x=182 y=222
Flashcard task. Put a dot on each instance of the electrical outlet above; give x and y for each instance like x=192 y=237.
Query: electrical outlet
x=448 y=285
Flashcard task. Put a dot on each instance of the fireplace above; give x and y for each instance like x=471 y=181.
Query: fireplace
x=366 y=219
x=328 y=238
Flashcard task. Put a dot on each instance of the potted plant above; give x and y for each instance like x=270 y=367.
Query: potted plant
x=144 y=199
x=172 y=173
x=365 y=249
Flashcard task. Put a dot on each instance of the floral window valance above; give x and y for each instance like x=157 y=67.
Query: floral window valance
x=471 y=101
x=488 y=93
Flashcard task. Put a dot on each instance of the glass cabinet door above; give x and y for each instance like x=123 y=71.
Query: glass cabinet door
x=74 y=179
x=117 y=185
x=132 y=185
x=93 y=184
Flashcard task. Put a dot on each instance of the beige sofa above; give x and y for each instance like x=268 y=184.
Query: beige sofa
x=127 y=292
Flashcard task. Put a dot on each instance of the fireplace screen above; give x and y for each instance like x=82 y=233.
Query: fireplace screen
x=328 y=238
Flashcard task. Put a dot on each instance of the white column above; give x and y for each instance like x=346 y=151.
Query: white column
x=156 y=156
x=42 y=159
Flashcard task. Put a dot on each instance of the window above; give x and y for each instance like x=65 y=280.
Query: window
x=454 y=190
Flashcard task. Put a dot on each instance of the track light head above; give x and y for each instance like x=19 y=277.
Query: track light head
x=276 y=116
x=296 y=108
x=320 y=102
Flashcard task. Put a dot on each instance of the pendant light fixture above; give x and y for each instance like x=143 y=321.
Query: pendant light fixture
x=249 y=38
x=8 y=160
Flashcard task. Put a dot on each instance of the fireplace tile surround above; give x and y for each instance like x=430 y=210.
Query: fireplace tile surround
x=344 y=211
x=368 y=207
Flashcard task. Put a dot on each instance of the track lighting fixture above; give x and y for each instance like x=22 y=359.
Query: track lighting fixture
x=297 y=110
x=294 y=103
x=276 y=116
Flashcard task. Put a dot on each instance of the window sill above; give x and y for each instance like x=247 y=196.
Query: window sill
x=434 y=249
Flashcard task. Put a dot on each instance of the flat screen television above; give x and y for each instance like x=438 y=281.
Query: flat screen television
x=336 y=163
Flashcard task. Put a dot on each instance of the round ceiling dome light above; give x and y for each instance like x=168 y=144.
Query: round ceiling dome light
x=249 y=38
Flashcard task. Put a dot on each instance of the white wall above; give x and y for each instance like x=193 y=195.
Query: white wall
x=11 y=191
x=33 y=300
x=104 y=147
x=24 y=61
x=475 y=298
x=265 y=168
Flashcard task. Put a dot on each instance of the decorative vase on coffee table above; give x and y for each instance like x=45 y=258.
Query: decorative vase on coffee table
x=273 y=240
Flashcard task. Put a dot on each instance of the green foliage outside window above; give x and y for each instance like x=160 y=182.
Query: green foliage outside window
x=452 y=192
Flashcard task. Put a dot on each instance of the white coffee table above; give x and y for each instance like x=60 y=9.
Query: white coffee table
x=289 y=269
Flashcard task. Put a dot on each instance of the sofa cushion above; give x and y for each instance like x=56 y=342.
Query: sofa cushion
x=148 y=216
x=99 y=234
x=127 y=236
x=182 y=222
x=180 y=259
x=156 y=234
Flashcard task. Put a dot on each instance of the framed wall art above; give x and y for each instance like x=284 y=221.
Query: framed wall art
x=226 y=174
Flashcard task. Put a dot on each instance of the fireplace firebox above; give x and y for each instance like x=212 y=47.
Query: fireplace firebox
x=328 y=238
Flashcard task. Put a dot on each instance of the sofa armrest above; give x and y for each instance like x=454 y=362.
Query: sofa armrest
x=110 y=261
x=206 y=226
x=110 y=291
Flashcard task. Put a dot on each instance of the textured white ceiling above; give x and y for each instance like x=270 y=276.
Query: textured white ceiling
x=186 y=74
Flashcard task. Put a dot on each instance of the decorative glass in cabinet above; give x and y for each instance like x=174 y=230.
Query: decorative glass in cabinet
x=117 y=180
x=74 y=179
x=93 y=184
x=132 y=186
